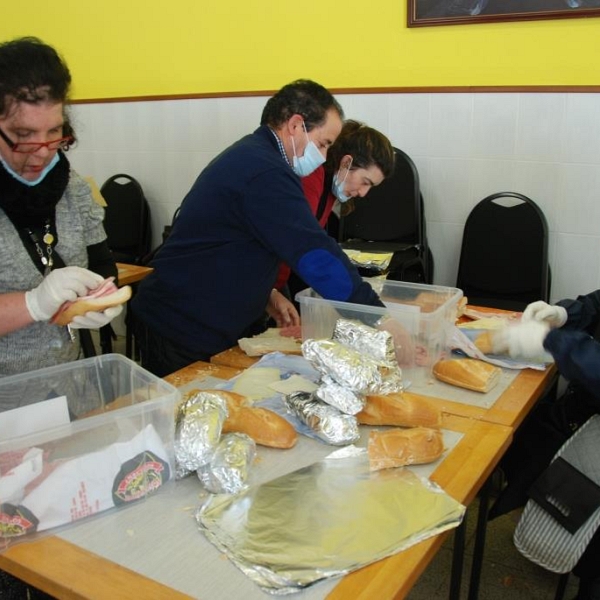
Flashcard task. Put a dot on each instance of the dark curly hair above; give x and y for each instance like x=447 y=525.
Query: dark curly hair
x=302 y=97
x=366 y=145
x=33 y=72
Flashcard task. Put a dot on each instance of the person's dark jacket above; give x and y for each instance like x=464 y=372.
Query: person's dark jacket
x=245 y=214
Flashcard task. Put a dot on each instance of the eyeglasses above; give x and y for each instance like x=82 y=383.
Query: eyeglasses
x=31 y=147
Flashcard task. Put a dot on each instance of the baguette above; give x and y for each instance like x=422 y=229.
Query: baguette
x=264 y=426
x=85 y=304
x=403 y=409
x=468 y=373
x=399 y=447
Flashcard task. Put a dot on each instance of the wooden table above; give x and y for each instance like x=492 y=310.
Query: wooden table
x=75 y=570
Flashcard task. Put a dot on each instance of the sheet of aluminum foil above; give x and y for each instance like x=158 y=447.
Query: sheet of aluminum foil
x=331 y=518
x=229 y=468
x=325 y=421
x=342 y=398
x=198 y=424
x=350 y=368
x=374 y=343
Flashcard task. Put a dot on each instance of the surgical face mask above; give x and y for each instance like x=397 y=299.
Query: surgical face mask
x=42 y=174
x=311 y=160
x=337 y=186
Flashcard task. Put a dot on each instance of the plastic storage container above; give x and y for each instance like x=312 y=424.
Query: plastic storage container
x=106 y=441
x=424 y=310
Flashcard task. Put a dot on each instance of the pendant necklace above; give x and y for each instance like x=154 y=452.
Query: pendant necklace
x=48 y=239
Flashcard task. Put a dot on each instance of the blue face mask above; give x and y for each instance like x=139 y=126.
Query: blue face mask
x=41 y=177
x=311 y=160
x=337 y=186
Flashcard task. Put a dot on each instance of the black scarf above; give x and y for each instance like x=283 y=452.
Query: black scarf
x=32 y=206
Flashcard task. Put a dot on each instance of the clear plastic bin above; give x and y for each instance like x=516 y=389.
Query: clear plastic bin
x=113 y=445
x=424 y=310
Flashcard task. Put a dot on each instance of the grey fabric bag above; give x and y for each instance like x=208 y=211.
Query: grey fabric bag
x=564 y=510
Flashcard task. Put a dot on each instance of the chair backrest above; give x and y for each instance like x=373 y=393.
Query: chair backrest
x=504 y=254
x=392 y=211
x=391 y=218
x=127 y=218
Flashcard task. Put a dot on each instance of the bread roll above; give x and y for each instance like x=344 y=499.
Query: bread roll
x=468 y=373
x=483 y=342
x=404 y=409
x=399 y=447
x=264 y=426
x=86 y=304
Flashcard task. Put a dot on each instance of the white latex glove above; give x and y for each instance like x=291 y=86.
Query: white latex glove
x=521 y=340
x=403 y=342
x=94 y=319
x=57 y=287
x=555 y=316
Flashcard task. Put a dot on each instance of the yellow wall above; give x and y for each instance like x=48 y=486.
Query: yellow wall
x=124 y=48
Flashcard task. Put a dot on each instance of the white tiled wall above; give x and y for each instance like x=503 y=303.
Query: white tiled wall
x=465 y=146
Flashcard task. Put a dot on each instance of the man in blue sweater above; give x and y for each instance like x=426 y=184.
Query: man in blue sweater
x=245 y=214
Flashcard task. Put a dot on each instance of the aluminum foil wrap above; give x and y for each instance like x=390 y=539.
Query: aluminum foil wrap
x=326 y=422
x=351 y=369
x=198 y=423
x=342 y=398
x=331 y=518
x=374 y=343
x=227 y=472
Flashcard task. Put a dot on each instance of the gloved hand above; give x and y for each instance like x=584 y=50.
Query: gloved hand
x=57 y=287
x=403 y=342
x=521 y=340
x=94 y=320
x=555 y=316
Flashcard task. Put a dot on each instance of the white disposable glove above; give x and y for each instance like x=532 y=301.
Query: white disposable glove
x=521 y=340
x=57 y=287
x=555 y=316
x=94 y=319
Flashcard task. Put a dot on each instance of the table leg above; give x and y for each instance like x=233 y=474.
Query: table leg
x=458 y=556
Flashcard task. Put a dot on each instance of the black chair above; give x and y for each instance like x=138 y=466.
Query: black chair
x=127 y=219
x=128 y=228
x=391 y=219
x=504 y=254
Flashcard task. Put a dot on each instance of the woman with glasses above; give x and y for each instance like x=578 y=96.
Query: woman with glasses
x=53 y=244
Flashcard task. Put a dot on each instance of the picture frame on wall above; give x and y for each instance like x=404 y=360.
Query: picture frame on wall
x=422 y=13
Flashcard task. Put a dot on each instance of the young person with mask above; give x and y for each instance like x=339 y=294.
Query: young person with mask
x=359 y=159
x=245 y=214
x=53 y=241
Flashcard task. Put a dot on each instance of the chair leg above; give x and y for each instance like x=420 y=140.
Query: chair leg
x=562 y=586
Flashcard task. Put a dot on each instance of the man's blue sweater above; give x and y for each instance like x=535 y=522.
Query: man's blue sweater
x=245 y=214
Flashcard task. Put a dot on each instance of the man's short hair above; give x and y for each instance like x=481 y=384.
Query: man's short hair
x=302 y=97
